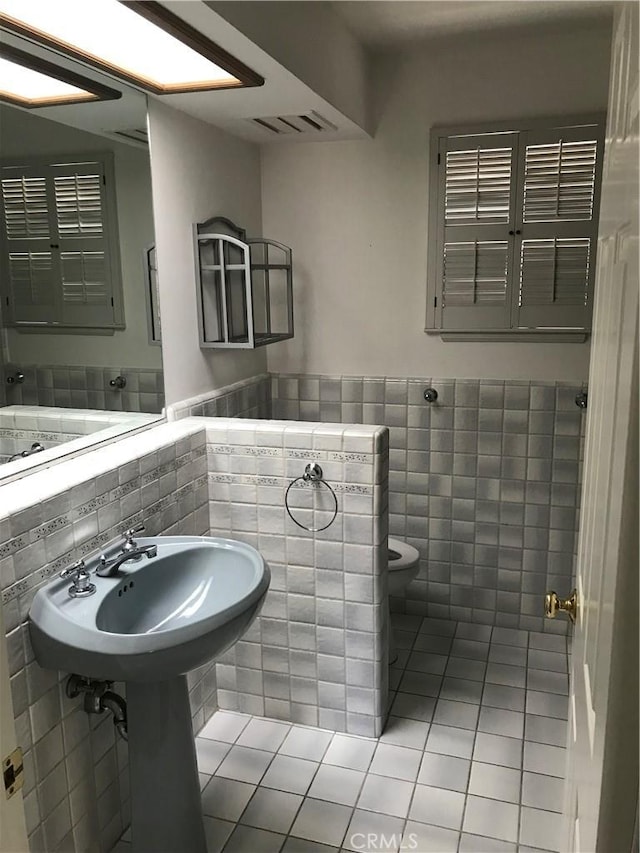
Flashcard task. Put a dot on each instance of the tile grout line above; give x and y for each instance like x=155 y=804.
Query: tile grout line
x=367 y=773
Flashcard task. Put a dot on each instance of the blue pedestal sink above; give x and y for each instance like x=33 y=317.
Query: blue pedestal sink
x=148 y=625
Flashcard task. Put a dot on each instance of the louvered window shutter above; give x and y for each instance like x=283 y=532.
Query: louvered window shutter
x=57 y=267
x=513 y=229
x=477 y=186
x=84 y=260
x=558 y=178
x=30 y=267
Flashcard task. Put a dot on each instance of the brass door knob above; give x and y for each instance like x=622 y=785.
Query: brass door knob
x=552 y=604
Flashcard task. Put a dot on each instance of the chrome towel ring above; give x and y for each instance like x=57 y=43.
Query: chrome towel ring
x=312 y=475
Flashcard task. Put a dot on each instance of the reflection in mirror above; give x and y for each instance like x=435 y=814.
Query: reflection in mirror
x=80 y=356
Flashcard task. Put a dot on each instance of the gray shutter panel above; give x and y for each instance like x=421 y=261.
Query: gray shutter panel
x=477 y=192
x=559 y=176
x=30 y=278
x=25 y=205
x=56 y=262
x=554 y=282
x=29 y=263
x=559 y=180
x=85 y=269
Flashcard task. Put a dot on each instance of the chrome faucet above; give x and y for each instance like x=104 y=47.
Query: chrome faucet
x=108 y=568
x=81 y=585
x=129 y=543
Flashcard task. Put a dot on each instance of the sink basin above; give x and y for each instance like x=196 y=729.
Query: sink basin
x=156 y=618
x=148 y=625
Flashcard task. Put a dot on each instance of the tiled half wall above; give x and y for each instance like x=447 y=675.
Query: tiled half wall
x=485 y=483
x=317 y=654
x=76 y=769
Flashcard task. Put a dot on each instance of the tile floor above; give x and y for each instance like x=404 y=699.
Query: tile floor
x=471 y=760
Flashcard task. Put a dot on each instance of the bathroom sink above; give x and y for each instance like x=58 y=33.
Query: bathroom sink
x=148 y=622
x=155 y=619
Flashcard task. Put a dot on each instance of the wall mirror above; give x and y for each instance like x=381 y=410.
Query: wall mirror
x=80 y=356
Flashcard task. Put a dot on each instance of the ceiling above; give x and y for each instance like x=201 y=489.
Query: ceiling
x=108 y=118
x=234 y=110
x=376 y=23
x=387 y=23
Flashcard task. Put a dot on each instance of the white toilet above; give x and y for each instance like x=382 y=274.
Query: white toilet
x=403 y=568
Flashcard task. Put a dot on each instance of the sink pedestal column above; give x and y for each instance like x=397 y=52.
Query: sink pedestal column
x=166 y=812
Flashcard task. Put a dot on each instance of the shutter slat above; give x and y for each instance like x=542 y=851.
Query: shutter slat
x=559 y=181
x=478 y=185
x=554 y=272
x=84 y=278
x=79 y=205
x=30 y=279
x=26 y=212
x=475 y=273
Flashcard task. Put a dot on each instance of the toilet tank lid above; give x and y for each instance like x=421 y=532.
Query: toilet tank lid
x=401 y=555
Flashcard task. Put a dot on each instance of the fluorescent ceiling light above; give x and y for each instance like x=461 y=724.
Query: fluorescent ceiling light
x=28 y=81
x=32 y=86
x=141 y=42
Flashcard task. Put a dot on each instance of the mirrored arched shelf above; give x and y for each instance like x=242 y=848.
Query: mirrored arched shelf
x=245 y=287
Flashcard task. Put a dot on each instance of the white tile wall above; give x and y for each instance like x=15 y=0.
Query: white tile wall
x=484 y=483
x=317 y=653
x=76 y=779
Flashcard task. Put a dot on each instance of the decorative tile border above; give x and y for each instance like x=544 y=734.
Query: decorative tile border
x=35 y=435
x=97 y=542
x=283 y=482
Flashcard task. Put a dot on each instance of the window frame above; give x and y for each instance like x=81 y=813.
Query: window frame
x=111 y=238
x=436 y=222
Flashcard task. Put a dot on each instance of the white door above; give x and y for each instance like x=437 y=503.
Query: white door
x=13 y=835
x=603 y=729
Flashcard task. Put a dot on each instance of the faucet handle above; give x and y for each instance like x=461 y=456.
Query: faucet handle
x=81 y=585
x=129 y=543
x=74 y=569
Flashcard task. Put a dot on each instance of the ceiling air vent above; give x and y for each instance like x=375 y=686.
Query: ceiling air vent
x=137 y=134
x=310 y=123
